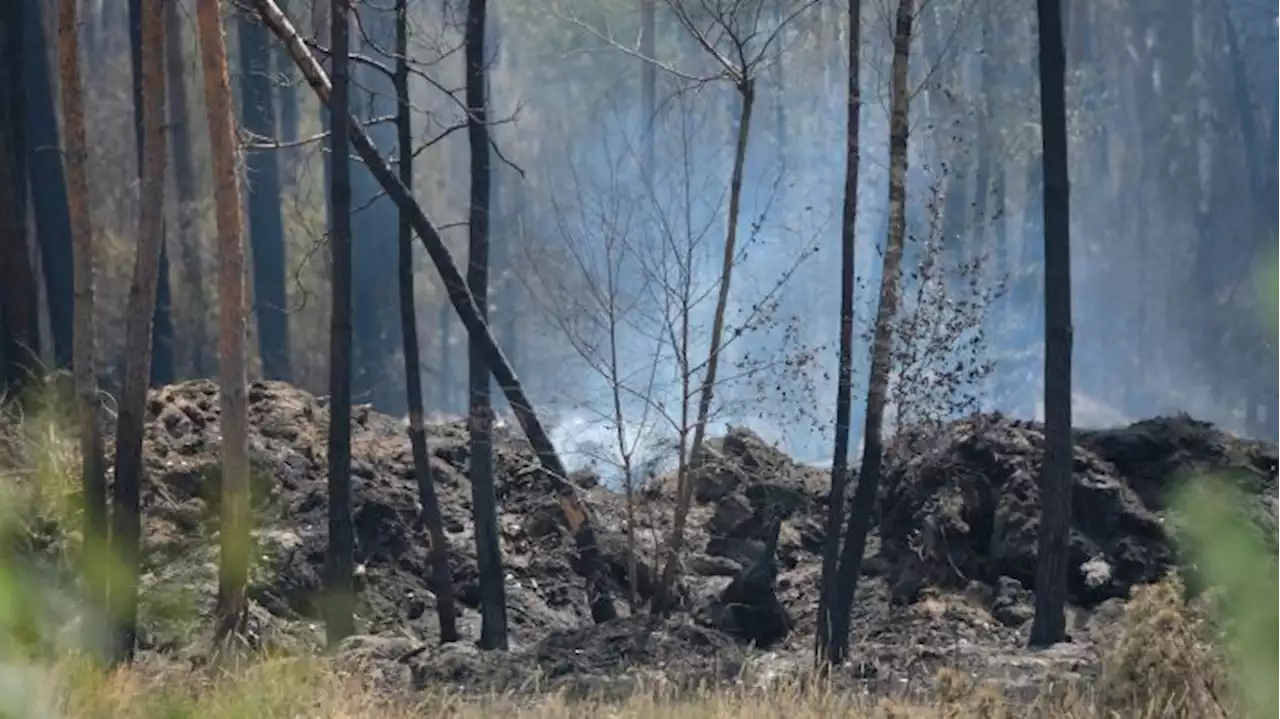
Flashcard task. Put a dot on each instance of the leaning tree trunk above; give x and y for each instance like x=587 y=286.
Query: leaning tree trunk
x=844 y=387
x=126 y=520
x=1050 y=625
x=83 y=362
x=340 y=603
x=589 y=564
x=441 y=576
x=864 y=496
x=233 y=567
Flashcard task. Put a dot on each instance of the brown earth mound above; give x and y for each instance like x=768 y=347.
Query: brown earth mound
x=949 y=571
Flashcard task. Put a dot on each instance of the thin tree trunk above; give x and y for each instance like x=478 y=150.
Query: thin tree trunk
x=49 y=203
x=190 y=252
x=648 y=82
x=493 y=600
x=125 y=517
x=233 y=568
x=19 y=324
x=855 y=542
x=93 y=469
x=589 y=564
x=662 y=603
x=844 y=388
x=445 y=379
x=266 y=218
x=161 y=364
x=1049 y=625
x=340 y=603
x=441 y=576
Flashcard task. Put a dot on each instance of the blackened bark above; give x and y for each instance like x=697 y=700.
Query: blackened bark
x=339 y=586
x=864 y=497
x=161 y=325
x=126 y=518
x=493 y=595
x=191 y=258
x=445 y=378
x=441 y=576
x=373 y=221
x=266 y=218
x=52 y=216
x=19 y=324
x=1049 y=625
x=844 y=387
x=589 y=564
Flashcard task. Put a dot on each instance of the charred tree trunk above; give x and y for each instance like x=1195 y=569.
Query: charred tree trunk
x=126 y=520
x=53 y=224
x=373 y=221
x=266 y=218
x=864 y=497
x=589 y=563
x=233 y=567
x=92 y=455
x=19 y=318
x=339 y=586
x=161 y=371
x=493 y=599
x=441 y=576
x=184 y=185
x=445 y=379
x=1049 y=625
x=844 y=387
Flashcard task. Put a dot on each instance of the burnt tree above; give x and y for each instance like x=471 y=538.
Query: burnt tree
x=126 y=519
x=161 y=323
x=844 y=387
x=855 y=541
x=340 y=564
x=44 y=166
x=266 y=217
x=1050 y=624
x=589 y=564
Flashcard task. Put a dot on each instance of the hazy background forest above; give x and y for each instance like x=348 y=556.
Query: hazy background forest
x=1173 y=112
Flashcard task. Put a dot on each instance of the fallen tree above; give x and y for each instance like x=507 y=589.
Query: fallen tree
x=575 y=512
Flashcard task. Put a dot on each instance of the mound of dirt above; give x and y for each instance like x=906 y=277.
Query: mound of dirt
x=950 y=567
x=963 y=503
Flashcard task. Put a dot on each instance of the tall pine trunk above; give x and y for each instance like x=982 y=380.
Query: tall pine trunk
x=49 y=195
x=266 y=218
x=855 y=542
x=19 y=325
x=493 y=600
x=161 y=364
x=233 y=567
x=190 y=252
x=83 y=362
x=126 y=520
x=844 y=387
x=1050 y=625
x=339 y=587
x=441 y=576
